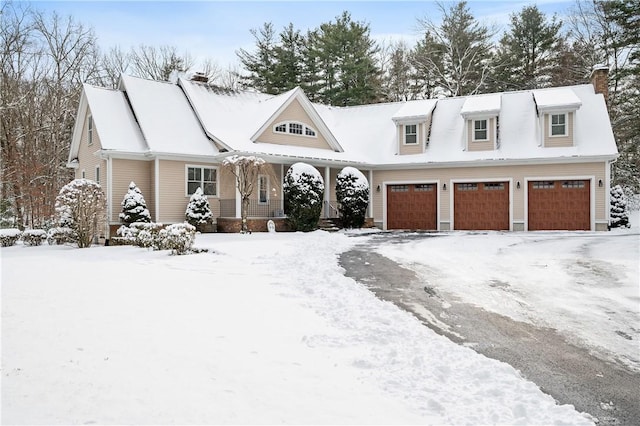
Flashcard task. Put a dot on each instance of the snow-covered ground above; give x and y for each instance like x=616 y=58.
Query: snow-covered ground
x=263 y=329
x=584 y=284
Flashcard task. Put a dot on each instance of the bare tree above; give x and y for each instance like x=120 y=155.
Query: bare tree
x=158 y=63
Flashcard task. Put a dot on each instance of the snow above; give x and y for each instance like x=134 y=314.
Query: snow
x=483 y=104
x=563 y=98
x=418 y=109
x=360 y=179
x=585 y=285
x=10 y=232
x=259 y=330
x=298 y=169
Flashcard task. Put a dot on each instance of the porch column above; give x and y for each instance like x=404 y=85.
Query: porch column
x=327 y=192
x=282 y=187
x=156 y=190
x=370 y=207
x=238 y=198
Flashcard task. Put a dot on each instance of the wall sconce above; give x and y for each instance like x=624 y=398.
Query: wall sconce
x=378 y=188
x=518 y=184
x=444 y=186
x=600 y=183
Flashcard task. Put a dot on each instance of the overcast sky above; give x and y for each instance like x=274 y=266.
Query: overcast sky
x=217 y=29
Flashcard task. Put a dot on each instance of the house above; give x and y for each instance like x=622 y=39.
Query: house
x=519 y=161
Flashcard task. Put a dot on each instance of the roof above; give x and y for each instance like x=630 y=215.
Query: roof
x=190 y=119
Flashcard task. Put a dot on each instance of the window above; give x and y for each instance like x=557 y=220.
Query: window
x=480 y=130
x=467 y=187
x=399 y=188
x=423 y=187
x=98 y=174
x=202 y=177
x=294 y=128
x=84 y=175
x=494 y=186
x=89 y=130
x=410 y=134
x=573 y=184
x=263 y=189
x=558 y=124
x=544 y=184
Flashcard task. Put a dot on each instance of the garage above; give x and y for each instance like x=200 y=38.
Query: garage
x=412 y=206
x=562 y=205
x=481 y=206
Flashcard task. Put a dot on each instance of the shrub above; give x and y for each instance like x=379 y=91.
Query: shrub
x=80 y=206
x=59 y=235
x=198 y=211
x=303 y=193
x=178 y=238
x=352 y=191
x=619 y=209
x=134 y=207
x=9 y=237
x=34 y=237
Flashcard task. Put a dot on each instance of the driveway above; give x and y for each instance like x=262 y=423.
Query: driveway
x=572 y=374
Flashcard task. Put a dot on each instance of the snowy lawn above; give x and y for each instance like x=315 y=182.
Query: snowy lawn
x=584 y=284
x=263 y=329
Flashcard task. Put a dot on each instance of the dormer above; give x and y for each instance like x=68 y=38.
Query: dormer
x=556 y=116
x=413 y=125
x=480 y=114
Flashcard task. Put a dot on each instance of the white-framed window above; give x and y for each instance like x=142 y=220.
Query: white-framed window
x=263 y=189
x=294 y=128
x=202 y=177
x=98 y=174
x=89 y=130
x=480 y=130
x=558 y=125
x=83 y=174
x=410 y=134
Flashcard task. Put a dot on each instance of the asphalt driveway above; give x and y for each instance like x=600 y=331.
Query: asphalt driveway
x=572 y=374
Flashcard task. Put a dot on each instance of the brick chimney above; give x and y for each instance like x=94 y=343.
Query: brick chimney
x=600 y=80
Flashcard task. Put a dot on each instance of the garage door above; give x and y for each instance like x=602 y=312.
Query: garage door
x=559 y=205
x=412 y=206
x=481 y=206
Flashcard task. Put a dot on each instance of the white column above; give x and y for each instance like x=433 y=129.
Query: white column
x=156 y=192
x=109 y=197
x=238 y=199
x=327 y=191
x=370 y=208
x=282 y=187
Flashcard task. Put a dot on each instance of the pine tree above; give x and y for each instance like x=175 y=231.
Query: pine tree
x=352 y=191
x=261 y=63
x=198 y=212
x=619 y=208
x=134 y=207
x=288 y=60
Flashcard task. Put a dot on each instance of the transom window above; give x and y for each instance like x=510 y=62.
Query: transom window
x=202 y=177
x=410 y=134
x=558 y=124
x=480 y=130
x=90 y=130
x=294 y=128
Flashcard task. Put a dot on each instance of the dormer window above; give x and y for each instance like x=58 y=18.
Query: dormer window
x=294 y=128
x=410 y=134
x=480 y=132
x=558 y=125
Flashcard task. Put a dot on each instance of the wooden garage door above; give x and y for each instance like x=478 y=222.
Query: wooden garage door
x=559 y=205
x=481 y=206
x=412 y=206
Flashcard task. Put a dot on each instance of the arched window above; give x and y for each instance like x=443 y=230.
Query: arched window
x=294 y=128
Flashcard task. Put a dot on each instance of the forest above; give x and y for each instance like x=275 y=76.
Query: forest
x=46 y=57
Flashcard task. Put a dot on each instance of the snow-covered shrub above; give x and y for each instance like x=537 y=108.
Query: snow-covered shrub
x=619 y=208
x=352 y=191
x=8 y=237
x=134 y=207
x=303 y=193
x=59 y=235
x=34 y=237
x=198 y=211
x=80 y=205
x=145 y=234
x=178 y=238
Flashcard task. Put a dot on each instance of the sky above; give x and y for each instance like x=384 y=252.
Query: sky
x=217 y=29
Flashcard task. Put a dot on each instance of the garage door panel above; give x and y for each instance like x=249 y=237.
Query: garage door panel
x=481 y=206
x=559 y=205
x=412 y=206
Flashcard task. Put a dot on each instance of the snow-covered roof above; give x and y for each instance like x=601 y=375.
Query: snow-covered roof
x=418 y=109
x=562 y=98
x=481 y=105
x=113 y=120
x=166 y=119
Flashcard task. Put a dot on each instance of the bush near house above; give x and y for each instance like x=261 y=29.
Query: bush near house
x=34 y=237
x=9 y=237
x=619 y=208
x=59 y=235
x=352 y=191
x=81 y=206
x=134 y=207
x=198 y=212
x=303 y=194
x=178 y=238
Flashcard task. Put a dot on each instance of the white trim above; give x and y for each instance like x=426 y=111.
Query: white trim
x=607 y=191
x=109 y=188
x=156 y=195
x=473 y=130
x=238 y=195
x=288 y=123
x=370 y=207
x=451 y=188
x=410 y=182
x=327 y=191
x=404 y=134
x=566 y=124
x=592 y=195
x=201 y=166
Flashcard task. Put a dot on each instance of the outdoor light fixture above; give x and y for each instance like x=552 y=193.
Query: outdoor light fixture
x=378 y=188
x=600 y=183
x=444 y=186
x=518 y=184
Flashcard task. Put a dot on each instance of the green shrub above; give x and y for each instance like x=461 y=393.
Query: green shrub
x=303 y=194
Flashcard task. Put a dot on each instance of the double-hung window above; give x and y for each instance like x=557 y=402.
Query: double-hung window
x=202 y=177
x=263 y=189
x=410 y=134
x=558 y=124
x=480 y=130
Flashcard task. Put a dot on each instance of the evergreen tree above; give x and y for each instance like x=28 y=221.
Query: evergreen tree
x=288 y=60
x=260 y=64
x=134 y=207
x=529 y=52
x=198 y=212
x=457 y=52
x=619 y=209
x=303 y=194
x=352 y=191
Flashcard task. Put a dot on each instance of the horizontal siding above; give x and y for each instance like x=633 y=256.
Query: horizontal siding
x=556 y=141
x=294 y=112
x=87 y=159
x=481 y=146
x=517 y=173
x=418 y=148
x=125 y=172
